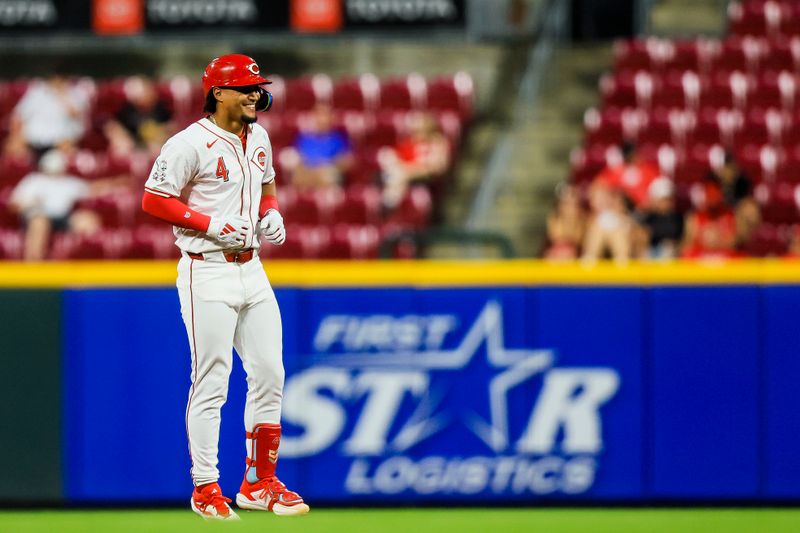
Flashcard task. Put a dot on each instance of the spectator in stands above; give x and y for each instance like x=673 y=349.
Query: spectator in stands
x=793 y=250
x=422 y=156
x=632 y=175
x=610 y=228
x=144 y=122
x=46 y=200
x=660 y=225
x=737 y=191
x=566 y=226
x=711 y=229
x=51 y=113
x=320 y=156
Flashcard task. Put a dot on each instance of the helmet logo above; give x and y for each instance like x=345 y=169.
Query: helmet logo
x=252 y=67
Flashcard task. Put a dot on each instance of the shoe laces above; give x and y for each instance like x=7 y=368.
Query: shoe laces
x=218 y=501
x=274 y=486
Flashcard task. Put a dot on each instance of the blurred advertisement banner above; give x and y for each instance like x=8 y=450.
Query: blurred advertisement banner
x=316 y=15
x=219 y=14
x=20 y=16
x=125 y=17
x=399 y=14
x=117 y=17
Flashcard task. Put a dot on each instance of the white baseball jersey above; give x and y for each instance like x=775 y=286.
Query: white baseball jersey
x=207 y=167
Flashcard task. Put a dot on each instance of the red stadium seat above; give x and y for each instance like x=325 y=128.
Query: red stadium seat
x=640 y=54
x=587 y=163
x=302 y=94
x=403 y=93
x=352 y=242
x=10 y=94
x=680 y=89
x=386 y=129
x=359 y=94
x=755 y=18
x=697 y=163
x=779 y=202
x=775 y=89
x=366 y=169
x=658 y=130
x=452 y=94
x=314 y=207
x=767 y=240
x=110 y=98
x=313 y=239
x=788 y=168
x=361 y=205
x=686 y=55
x=603 y=128
x=292 y=248
x=414 y=210
x=11 y=244
x=14 y=169
x=742 y=54
x=730 y=90
x=8 y=219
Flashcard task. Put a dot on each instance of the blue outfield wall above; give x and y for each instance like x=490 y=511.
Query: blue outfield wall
x=403 y=395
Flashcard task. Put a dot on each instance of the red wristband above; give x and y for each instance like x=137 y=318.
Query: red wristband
x=268 y=202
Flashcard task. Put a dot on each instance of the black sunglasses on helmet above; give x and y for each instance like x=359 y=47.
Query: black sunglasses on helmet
x=247 y=89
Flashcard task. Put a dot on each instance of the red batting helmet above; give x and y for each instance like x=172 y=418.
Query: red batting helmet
x=236 y=70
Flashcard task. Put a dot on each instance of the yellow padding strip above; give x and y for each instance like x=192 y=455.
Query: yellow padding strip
x=412 y=273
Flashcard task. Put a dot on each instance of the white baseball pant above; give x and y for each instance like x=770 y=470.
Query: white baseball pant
x=228 y=305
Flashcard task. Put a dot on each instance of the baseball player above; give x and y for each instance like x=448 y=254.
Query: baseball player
x=215 y=183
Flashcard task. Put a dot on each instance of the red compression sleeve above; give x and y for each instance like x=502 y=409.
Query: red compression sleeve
x=174 y=211
x=267 y=202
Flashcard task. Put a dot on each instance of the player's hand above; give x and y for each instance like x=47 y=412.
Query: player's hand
x=230 y=230
x=271 y=227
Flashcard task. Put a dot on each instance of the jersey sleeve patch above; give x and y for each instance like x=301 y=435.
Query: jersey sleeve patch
x=173 y=169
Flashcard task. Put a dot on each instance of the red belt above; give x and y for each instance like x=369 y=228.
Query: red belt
x=242 y=256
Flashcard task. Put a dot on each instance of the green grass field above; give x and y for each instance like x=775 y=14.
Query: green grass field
x=418 y=521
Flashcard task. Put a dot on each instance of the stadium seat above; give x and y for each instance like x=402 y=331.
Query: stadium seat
x=451 y=94
x=313 y=240
x=783 y=54
x=351 y=242
x=776 y=90
x=8 y=218
x=11 y=244
x=385 y=130
x=414 y=210
x=404 y=93
x=366 y=169
x=356 y=94
x=292 y=248
x=767 y=240
x=603 y=127
x=361 y=205
x=302 y=94
x=587 y=163
x=14 y=169
x=779 y=202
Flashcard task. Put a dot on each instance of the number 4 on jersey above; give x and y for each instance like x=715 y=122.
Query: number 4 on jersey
x=222 y=170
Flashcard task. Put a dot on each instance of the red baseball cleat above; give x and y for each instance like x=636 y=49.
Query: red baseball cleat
x=269 y=494
x=208 y=502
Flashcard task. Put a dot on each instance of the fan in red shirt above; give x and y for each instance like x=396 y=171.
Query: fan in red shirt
x=711 y=230
x=632 y=176
x=422 y=156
